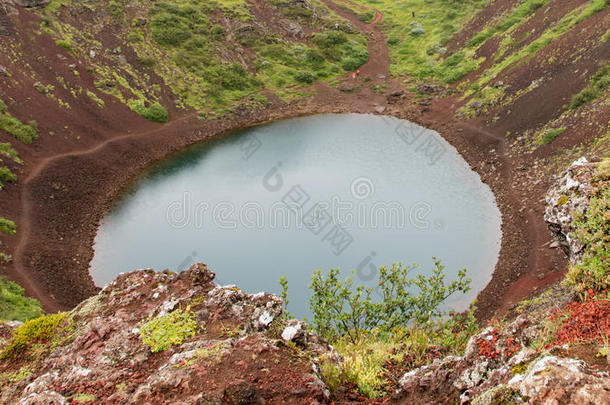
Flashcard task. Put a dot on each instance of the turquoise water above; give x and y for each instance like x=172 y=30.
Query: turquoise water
x=342 y=191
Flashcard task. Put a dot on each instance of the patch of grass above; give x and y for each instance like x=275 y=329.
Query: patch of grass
x=12 y=126
x=550 y=135
x=39 y=330
x=64 y=44
x=95 y=98
x=598 y=83
x=163 y=332
x=14 y=305
x=368 y=360
x=155 y=112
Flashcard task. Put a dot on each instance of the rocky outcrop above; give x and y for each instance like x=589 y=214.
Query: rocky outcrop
x=499 y=366
x=568 y=198
x=238 y=349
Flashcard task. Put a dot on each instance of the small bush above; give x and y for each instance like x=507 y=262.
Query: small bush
x=393 y=41
x=7 y=226
x=551 y=134
x=6 y=175
x=155 y=112
x=339 y=309
x=64 y=44
x=39 y=330
x=304 y=77
x=163 y=332
x=14 y=305
x=12 y=126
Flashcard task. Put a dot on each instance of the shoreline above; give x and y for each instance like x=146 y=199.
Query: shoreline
x=72 y=271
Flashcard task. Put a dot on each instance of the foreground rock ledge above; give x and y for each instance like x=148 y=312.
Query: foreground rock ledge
x=234 y=357
x=240 y=351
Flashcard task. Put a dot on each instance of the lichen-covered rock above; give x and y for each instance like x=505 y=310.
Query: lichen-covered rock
x=498 y=367
x=555 y=380
x=227 y=355
x=566 y=199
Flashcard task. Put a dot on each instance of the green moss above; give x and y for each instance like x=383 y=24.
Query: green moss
x=82 y=397
x=7 y=150
x=64 y=44
x=172 y=329
x=14 y=305
x=13 y=378
x=39 y=330
x=563 y=200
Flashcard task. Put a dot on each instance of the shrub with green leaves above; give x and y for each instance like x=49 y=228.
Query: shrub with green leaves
x=163 y=332
x=155 y=112
x=6 y=176
x=340 y=309
x=598 y=83
x=7 y=226
x=14 y=305
x=551 y=134
x=35 y=331
x=12 y=126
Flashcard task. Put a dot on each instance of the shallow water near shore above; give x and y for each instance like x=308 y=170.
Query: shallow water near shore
x=344 y=191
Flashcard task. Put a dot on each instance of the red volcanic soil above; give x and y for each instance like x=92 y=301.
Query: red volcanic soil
x=70 y=178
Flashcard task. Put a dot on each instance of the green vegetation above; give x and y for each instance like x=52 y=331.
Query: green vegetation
x=550 y=135
x=155 y=112
x=7 y=226
x=340 y=310
x=14 y=305
x=7 y=150
x=95 y=98
x=366 y=359
x=6 y=176
x=13 y=378
x=36 y=331
x=417 y=45
x=598 y=83
x=593 y=230
x=186 y=45
x=163 y=332
x=375 y=328
x=12 y=126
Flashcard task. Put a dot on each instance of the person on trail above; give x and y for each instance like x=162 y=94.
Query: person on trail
x=354 y=76
x=413 y=14
x=358 y=73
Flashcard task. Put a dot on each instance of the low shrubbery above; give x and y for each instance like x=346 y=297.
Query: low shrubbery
x=154 y=112
x=598 y=83
x=12 y=126
x=14 y=305
x=7 y=226
x=36 y=331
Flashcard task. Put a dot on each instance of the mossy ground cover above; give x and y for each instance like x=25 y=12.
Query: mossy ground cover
x=163 y=332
